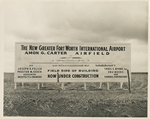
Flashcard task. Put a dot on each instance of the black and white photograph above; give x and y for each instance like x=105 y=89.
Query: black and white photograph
x=75 y=58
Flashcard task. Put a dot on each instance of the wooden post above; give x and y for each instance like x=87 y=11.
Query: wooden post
x=42 y=85
x=15 y=85
x=22 y=85
x=121 y=83
x=62 y=86
x=100 y=85
x=107 y=85
x=129 y=81
x=84 y=86
x=38 y=85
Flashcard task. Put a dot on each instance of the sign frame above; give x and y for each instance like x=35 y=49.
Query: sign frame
x=68 y=80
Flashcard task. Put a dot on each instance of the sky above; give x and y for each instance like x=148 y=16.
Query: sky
x=77 y=22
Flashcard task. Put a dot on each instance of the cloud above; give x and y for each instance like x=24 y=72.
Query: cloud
x=101 y=20
x=9 y=64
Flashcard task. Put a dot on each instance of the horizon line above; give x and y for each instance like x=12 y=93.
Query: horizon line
x=131 y=72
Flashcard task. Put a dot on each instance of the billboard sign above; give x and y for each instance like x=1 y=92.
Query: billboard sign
x=55 y=62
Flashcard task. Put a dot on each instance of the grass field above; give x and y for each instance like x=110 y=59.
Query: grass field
x=74 y=101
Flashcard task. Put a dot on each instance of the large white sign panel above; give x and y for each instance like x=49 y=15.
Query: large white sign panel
x=48 y=62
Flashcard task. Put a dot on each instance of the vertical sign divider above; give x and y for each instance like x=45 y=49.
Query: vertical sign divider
x=58 y=80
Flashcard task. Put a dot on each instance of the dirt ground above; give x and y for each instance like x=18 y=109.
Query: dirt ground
x=74 y=101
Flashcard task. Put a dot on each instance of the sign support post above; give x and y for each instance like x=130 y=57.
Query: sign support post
x=121 y=83
x=129 y=81
x=107 y=85
x=15 y=85
x=38 y=85
x=42 y=85
x=22 y=85
x=62 y=86
x=84 y=86
x=100 y=85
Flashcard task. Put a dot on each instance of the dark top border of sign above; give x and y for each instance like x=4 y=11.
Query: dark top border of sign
x=54 y=43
